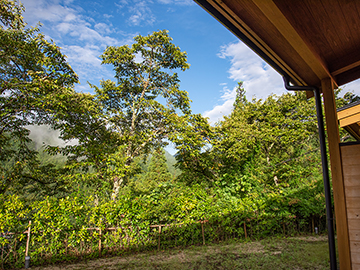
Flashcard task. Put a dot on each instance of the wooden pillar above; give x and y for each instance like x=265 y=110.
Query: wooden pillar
x=332 y=129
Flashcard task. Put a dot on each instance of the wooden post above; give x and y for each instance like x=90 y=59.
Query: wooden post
x=159 y=237
x=66 y=243
x=245 y=229
x=99 y=241
x=332 y=129
x=28 y=240
x=312 y=224
x=202 y=229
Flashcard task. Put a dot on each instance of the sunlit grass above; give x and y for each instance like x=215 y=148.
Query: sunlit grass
x=275 y=253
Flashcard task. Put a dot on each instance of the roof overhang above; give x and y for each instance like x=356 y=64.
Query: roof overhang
x=349 y=119
x=304 y=40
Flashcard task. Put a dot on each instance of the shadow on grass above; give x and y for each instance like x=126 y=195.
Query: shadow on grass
x=275 y=253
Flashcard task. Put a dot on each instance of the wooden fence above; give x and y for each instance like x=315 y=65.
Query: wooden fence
x=213 y=231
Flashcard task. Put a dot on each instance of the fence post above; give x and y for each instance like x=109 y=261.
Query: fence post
x=27 y=257
x=202 y=229
x=159 y=237
x=245 y=229
x=66 y=243
x=99 y=241
x=312 y=224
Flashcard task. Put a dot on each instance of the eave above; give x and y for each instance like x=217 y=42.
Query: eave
x=307 y=42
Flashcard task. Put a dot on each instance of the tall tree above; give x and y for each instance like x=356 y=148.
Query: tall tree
x=132 y=106
x=35 y=84
x=139 y=110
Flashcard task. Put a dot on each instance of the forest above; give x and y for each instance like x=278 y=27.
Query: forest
x=106 y=190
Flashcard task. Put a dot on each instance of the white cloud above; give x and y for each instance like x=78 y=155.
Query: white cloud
x=178 y=2
x=82 y=38
x=67 y=2
x=219 y=111
x=259 y=79
x=108 y=16
x=87 y=64
x=138 y=58
x=352 y=87
x=41 y=10
x=64 y=27
x=84 y=88
x=139 y=10
x=65 y=20
x=103 y=28
x=70 y=17
x=85 y=55
x=122 y=3
x=85 y=33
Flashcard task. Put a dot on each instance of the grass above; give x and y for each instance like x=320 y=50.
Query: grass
x=276 y=253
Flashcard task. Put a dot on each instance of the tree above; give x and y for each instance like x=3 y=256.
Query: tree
x=154 y=172
x=193 y=140
x=267 y=138
x=138 y=110
x=158 y=169
x=35 y=85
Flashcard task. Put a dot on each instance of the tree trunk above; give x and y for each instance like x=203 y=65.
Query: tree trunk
x=116 y=188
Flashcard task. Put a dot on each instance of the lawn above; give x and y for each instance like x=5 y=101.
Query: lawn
x=308 y=252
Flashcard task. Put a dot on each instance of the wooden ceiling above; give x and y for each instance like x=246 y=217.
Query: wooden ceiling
x=308 y=40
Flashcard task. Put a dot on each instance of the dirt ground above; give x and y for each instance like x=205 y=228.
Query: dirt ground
x=168 y=257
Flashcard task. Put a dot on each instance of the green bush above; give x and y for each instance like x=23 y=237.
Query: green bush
x=68 y=228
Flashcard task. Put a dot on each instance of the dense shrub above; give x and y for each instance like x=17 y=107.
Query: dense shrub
x=70 y=227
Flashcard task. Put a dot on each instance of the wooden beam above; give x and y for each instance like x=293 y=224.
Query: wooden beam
x=346 y=68
x=354 y=130
x=337 y=173
x=349 y=112
x=348 y=76
x=350 y=120
x=274 y=14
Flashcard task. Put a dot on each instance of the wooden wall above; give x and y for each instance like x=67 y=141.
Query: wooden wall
x=351 y=169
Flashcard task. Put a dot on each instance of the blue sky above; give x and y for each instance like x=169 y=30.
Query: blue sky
x=218 y=59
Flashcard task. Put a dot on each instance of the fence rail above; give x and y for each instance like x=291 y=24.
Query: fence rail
x=131 y=235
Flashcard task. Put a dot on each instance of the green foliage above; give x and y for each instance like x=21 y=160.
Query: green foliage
x=130 y=106
x=157 y=172
x=10 y=14
x=158 y=169
x=255 y=174
x=193 y=138
x=35 y=85
x=171 y=162
x=64 y=228
x=129 y=117
x=272 y=135
x=13 y=215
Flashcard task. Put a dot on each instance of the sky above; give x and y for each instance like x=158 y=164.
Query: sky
x=83 y=29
